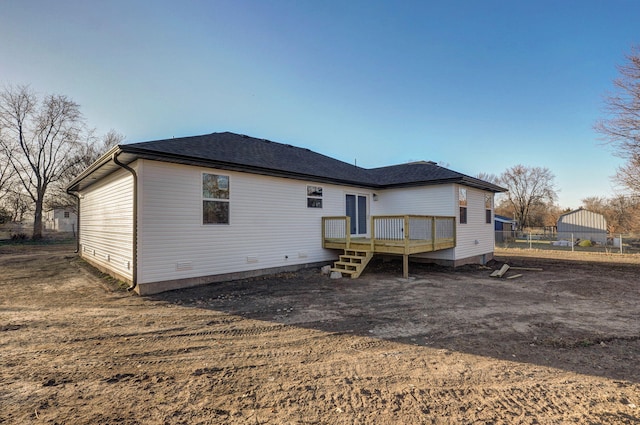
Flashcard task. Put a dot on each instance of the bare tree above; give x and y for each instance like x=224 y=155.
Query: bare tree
x=39 y=138
x=489 y=177
x=85 y=155
x=621 y=127
x=527 y=188
x=7 y=173
x=621 y=212
x=17 y=204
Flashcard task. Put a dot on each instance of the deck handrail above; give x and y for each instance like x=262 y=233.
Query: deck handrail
x=336 y=227
x=401 y=228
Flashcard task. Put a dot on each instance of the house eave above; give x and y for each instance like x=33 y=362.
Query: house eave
x=454 y=180
x=101 y=168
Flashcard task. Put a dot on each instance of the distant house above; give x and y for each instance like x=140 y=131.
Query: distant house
x=582 y=224
x=180 y=212
x=60 y=220
x=504 y=227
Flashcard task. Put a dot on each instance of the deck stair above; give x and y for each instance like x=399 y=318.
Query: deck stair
x=352 y=263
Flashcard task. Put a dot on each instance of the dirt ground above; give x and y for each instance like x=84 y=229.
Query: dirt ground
x=561 y=345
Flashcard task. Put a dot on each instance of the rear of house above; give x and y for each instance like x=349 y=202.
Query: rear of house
x=183 y=212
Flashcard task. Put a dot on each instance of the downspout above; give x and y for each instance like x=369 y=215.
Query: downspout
x=134 y=279
x=77 y=221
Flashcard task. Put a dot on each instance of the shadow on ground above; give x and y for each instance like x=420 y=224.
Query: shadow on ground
x=576 y=317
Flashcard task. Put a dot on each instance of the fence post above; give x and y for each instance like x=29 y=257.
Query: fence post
x=620 y=243
x=529 y=239
x=572 y=243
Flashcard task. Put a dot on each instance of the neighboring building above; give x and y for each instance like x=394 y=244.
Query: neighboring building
x=181 y=212
x=60 y=220
x=582 y=224
x=505 y=228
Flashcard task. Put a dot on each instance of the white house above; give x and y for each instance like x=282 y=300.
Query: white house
x=180 y=212
x=582 y=224
x=60 y=220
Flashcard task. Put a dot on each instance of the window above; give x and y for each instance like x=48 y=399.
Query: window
x=488 y=206
x=215 y=199
x=314 y=196
x=462 y=200
x=66 y=214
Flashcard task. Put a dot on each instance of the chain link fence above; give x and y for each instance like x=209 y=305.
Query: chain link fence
x=548 y=239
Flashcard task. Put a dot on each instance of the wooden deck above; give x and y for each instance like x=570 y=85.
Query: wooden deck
x=386 y=246
x=394 y=234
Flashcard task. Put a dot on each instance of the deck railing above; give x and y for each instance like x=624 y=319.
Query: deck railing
x=404 y=230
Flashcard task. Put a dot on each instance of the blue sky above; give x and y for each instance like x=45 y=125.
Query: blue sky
x=477 y=85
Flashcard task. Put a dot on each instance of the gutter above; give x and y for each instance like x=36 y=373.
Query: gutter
x=134 y=280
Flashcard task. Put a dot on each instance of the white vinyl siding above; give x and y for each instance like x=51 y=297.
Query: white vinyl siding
x=442 y=200
x=270 y=224
x=476 y=228
x=429 y=200
x=106 y=223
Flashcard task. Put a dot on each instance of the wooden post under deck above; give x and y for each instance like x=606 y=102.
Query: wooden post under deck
x=405 y=266
x=405 y=256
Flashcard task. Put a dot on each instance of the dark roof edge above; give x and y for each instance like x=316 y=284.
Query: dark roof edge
x=481 y=184
x=462 y=180
x=187 y=160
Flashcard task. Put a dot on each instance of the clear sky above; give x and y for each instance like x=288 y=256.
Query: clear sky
x=479 y=86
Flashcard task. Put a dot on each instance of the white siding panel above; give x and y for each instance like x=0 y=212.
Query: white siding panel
x=429 y=200
x=270 y=224
x=106 y=223
x=476 y=237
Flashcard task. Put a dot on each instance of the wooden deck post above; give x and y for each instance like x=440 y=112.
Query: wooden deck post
x=405 y=266
x=434 y=236
x=347 y=228
x=373 y=234
x=405 y=256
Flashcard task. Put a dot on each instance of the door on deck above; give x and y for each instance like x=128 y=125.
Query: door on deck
x=357 y=211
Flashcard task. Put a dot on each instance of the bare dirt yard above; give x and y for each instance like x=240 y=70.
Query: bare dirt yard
x=560 y=345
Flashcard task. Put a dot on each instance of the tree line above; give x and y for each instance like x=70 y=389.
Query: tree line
x=44 y=143
x=531 y=200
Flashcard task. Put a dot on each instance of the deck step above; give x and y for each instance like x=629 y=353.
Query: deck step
x=352 y=262
x=343 y=271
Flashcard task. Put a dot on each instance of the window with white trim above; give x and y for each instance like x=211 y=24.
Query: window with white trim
x=488 y=206
x=314 y=196
x=215 y=199
x=462 y=201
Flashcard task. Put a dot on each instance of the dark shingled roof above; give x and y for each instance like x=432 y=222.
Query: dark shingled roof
x=238 y=152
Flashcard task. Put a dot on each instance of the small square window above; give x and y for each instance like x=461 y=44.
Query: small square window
x=314 y=196
x=66 y=214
